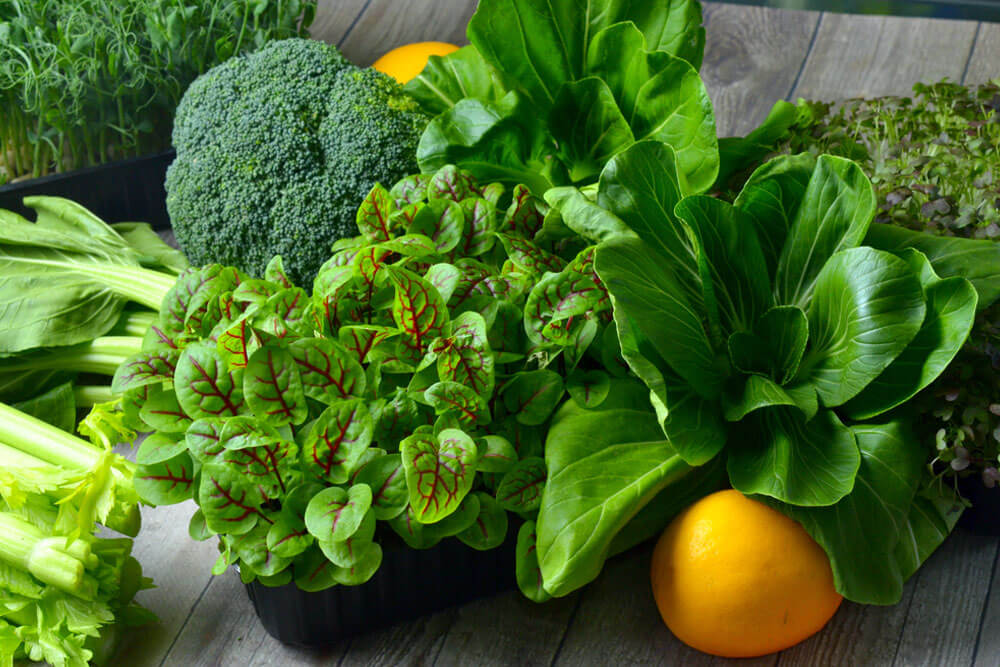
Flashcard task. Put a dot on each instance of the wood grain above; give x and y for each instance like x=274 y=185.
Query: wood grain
x=882 y=55
x=943 y=620
x=414 y=643
x=988 y=644
x=618 y=623
x=386 y=25
x=744 y=70
x=984 y=63
x=334 y=19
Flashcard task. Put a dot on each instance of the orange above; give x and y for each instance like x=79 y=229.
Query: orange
x=405 y=62
x=735 y=578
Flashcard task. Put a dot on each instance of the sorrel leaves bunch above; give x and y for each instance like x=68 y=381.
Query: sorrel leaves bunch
x=545 y=95
x=406 y=393
x=772 y=341
x=85 y=81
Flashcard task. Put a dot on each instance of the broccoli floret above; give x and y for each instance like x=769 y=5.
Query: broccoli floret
x=276 y=150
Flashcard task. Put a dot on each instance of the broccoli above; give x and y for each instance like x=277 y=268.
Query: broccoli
x=276 y=150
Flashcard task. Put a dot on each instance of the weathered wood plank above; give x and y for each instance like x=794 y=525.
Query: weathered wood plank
x=387 y=24
x=223 y=630
x=882 y=55
x=618 y=623
x=334 y=19
x=507 y=629
x=984 y=63
x=745 y=70
x=987 y=652
x=413 y=643
x=943 y=619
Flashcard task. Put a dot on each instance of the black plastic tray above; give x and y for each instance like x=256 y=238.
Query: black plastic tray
x=126 y=191
x=409 y=584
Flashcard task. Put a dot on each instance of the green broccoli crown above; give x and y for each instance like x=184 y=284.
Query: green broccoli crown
x=276 y=150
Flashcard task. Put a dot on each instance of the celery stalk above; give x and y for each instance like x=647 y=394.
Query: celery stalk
x=25 y=546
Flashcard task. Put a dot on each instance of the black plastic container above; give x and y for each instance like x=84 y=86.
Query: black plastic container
x=983 y=518
x=126 y=191
x=410 y=583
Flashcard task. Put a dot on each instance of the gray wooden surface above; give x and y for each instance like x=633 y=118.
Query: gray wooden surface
x=950 y=612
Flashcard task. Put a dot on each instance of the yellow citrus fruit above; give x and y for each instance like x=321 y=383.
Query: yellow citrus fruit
x=735 y=578
x=405 y=62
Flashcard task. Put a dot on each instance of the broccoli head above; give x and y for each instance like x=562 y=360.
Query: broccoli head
x=276 y=150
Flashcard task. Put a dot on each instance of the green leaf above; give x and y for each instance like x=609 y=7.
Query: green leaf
x=521 y=488
x=328 y=371
x=776 y=345
x=561 y=304
x=386 y=477
x=336 y=440
x=334 y=514
x=440 y=472
x=373 y=215
x=588 y=388
x=465 y=357
x=205 y=386
x=165 y=482
x=583 y=216
x=524 y=217
x=739 y=153
x=836 y=208
x=255 y=555
x=367 y=563
x=734 y=273
x=529 y=257
x=288 y=536
x=313 y=570
x=528 y=572
x=861 y=532
x=480 y=225
x=360 y=339
x=867 y=307
x=776 y=452
x=755 y=393
x=159 y=447
x=589 y=126
x=273 y=387
x=449 y=183
x=410 y=190
x=772 y=197
x=490 y=528
x=933 y=514
x=145 y=368
x=531 y=396
x=460 y=401
x=951 y=311
x=353 y=550
x=442 y=221
x=161 y=411
x=204 y=438
x=231 y=506
x=447 y=79
x=645 y=288
x=978 y=261
x=496 y=454
x=418 y=310
x=57 y=406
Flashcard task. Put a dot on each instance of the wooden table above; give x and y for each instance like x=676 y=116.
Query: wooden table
x=949 y=614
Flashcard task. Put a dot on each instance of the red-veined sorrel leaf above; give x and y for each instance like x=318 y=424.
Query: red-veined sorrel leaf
x=529 y=574
x=255 y=291
x=439 y=472
x=387 y=479
x=132 y=402
x=336 y=440
x=531 y=396
x=288 y=312
x=162 y=411
x=197 y=530
x=244 y=432
x=410 y=245
x=366 y=457
x=559 y=299
x=145 y=368
x=465 y=356
x=506 y=334
x=405 y=214
x=480 y=225
x=367 y=561
x=529 y=257
x=449 y=183
x=490 y=528
x=396 y=418
x=165 y=482
x=159 y=447
x=288 y=536
x=158 y=339
x=334 y=514
x=370 y=264
x=275 y=272
x=527 y=440
x=269 y=468
x=477 y=279
x=492 y=192
x=204 y=384
x=410 y=190
x=415 y=534
x=204 y=438
x=373 y=215
x=524 y=215
x=273 y=387
x=313 y=571
x=237 y=343
x=452 y=397
x=418 y=310
x=360 y=339
x=333 y=278
x=255 y=555
x=496 y=454
x=193 y=289
x=442 y=221
x=521 y=488
x=328 y=370
x=588 y=388
x=445 y=278
x=349 y=552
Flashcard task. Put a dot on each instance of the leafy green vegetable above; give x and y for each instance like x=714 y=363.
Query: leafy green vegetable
x=276 y=149
x=752 y=326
